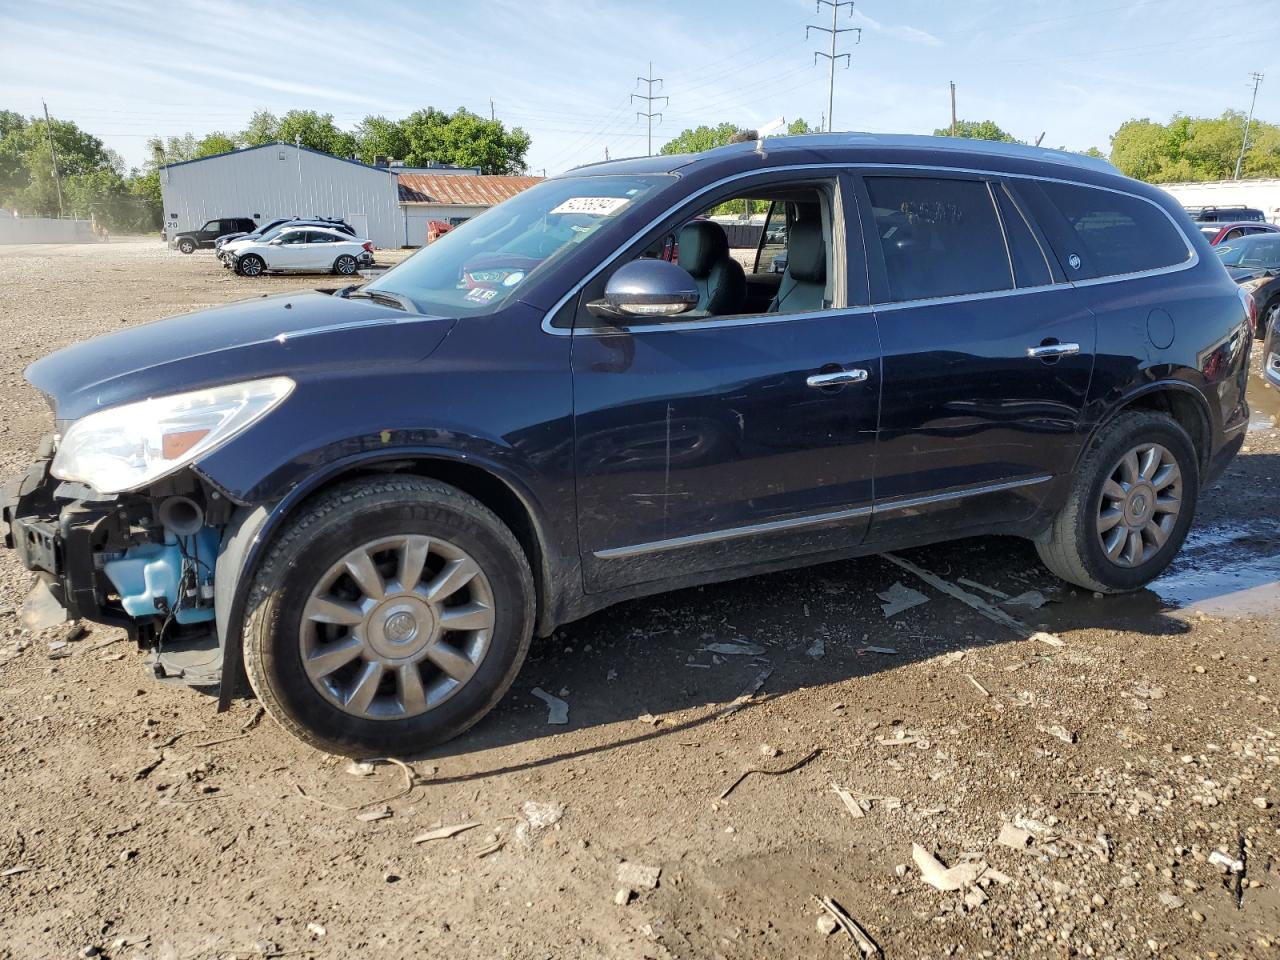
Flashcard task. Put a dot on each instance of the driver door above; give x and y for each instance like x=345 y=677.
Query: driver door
x=718 y=442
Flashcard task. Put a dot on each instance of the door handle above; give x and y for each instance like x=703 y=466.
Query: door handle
x=836 y=378
x=1047 y=351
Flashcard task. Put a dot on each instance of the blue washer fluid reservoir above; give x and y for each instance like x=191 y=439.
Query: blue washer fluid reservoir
x=154 y=570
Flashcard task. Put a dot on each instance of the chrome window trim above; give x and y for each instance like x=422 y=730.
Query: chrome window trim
x=812 y=520
x=1192 y=261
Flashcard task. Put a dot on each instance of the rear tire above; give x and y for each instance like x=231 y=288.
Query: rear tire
x=1269 y=318
x=1115 y=534
x=251 y=265
x=302 y=596
x=187 y=246
x=345 y=265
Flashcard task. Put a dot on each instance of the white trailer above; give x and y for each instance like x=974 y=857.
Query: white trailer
x=1262 y=195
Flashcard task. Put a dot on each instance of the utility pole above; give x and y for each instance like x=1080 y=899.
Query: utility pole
x=832 y=57
x=953 y=108
x=492 y=115
x=648 y=99
x=57 y=180
x=606 y=152
x=1244 y=144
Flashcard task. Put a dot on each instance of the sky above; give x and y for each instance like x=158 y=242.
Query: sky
x=565 y=70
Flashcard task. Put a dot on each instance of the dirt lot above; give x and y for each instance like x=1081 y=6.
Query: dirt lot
x=1128 y=750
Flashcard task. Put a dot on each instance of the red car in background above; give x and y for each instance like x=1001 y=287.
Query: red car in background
x=1216 y=233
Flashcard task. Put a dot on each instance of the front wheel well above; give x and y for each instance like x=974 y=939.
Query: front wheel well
x=474 y=481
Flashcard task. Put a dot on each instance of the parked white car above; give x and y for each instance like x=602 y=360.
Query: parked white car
x=298 y=250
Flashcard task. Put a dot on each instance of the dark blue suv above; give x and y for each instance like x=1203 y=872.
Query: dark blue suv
x=369 y=501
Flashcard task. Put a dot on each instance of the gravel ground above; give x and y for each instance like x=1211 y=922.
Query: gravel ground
x=1082 y=787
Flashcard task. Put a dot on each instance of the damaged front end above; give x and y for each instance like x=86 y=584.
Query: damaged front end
x=142 y=561
x=121 y=530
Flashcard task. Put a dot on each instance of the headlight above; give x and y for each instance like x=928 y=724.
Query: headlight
x=127 y=447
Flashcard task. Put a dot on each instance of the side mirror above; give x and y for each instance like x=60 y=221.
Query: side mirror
x=275 y=243
x=646 y=288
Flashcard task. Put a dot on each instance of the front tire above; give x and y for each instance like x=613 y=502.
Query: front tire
x=187 y=246
x=345 y=265
x=1131 y=502
x=251 y=265
x=388 y=617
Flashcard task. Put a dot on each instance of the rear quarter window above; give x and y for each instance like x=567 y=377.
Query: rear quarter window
x=1109 y=233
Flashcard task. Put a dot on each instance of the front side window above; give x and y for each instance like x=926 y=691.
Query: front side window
x=298 y=236
x=212 y=226
x=482 y=263
x=1116 y=233
x=940 y=237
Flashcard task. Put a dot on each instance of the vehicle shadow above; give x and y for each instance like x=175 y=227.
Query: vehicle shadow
x=811 y=627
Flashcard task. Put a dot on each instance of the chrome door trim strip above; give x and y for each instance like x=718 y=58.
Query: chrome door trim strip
x=837 y=167
x=732 y=533
x=890 y=506
x=818 y=519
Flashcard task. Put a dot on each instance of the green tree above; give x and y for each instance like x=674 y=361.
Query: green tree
x=978 y=130
x=264 y=127
x=799 y=126
x=698 y=139
x=380 y=137
x=464 y=139
x=307 y=128
x=1195 y=148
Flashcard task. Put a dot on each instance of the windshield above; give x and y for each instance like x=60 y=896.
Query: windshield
x=480 y=264
x=1262 y=252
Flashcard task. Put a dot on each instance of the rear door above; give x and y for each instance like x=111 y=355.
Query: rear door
x=987 y=353
x=725 y=442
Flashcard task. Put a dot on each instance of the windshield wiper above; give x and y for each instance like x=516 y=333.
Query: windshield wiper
x=385 y=297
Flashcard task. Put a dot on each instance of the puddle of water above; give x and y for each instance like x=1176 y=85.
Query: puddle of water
x=1249 y=588
x=1264 y=404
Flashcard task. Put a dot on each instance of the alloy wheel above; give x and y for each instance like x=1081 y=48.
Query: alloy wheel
x=396 y=627
x=1139 y=506
x=346 y=265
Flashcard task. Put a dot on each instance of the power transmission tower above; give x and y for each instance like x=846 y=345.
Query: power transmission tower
x=648 y=99
x=57 y=180
x=1244 y=144
x=832 y=57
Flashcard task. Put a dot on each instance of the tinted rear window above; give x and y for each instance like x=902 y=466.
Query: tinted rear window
x=941 y=238
x=1116 y=233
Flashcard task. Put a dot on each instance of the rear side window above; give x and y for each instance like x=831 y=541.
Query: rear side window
x=940 y=237
x=1114 y=233
x=1030 y=264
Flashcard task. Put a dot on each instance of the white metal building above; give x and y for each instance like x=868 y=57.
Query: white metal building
x=282 y=180
x=1262 y=195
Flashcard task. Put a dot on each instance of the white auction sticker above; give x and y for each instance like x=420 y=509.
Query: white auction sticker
x=593 y=206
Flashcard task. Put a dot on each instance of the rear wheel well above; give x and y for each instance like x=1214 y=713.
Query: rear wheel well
x=476 y=482
x=1185 y=410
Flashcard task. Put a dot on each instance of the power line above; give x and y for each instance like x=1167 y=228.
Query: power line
x=1244 y=143
x=648 y=99
x=832 y=57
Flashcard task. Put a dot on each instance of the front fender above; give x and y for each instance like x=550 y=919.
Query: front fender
x=253 y=527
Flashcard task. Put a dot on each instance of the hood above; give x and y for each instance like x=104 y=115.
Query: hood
x=1245 y=274
x=294 y=334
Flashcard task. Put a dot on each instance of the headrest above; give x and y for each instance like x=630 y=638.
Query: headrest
x=702 y=244
x=806 y=253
